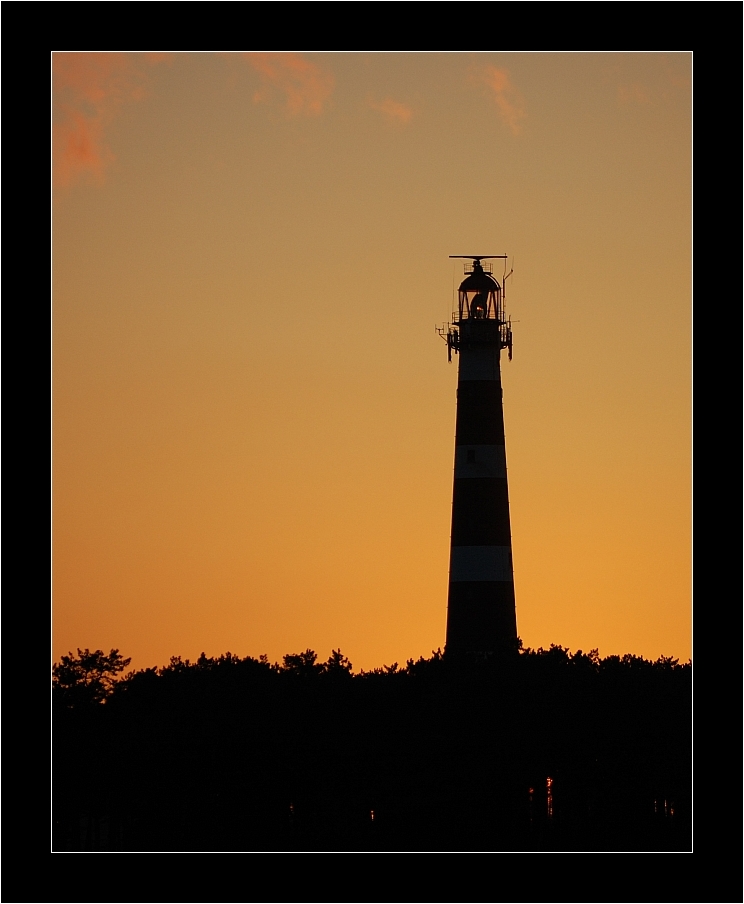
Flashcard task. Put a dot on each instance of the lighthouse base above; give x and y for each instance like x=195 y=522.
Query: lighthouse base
x=481 y=617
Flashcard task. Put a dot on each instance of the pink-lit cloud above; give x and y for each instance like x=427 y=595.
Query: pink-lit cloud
x=666 y=76
x=509 y=102
x=306 y=87
x=89 y=89
x=392 y=109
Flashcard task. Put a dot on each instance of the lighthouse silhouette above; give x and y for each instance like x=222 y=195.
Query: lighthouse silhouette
x=481 y=611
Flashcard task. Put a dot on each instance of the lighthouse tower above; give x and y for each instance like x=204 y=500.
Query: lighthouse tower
x=481 y=613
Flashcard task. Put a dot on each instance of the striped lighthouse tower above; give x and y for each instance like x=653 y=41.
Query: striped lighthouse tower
x=481 y=613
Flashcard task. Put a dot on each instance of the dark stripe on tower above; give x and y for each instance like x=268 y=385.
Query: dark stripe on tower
x=480 y=512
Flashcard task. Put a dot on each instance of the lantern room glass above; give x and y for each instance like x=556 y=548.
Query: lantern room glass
x=478 y=304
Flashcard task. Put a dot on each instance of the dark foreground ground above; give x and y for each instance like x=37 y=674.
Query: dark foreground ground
x=540 y=751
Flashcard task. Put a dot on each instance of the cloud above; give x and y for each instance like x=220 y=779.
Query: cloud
x=306 y=86
x=89 y=89
x=508 y=100
x=79 y=148
x=394 y=110
x=666 y=77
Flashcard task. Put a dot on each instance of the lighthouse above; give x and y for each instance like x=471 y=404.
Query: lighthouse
x=481 y=612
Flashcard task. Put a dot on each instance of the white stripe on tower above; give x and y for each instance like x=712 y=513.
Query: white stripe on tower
x=480 y=461
x=481 y=563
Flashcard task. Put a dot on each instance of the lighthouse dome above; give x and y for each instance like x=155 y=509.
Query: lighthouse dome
x=478 y=281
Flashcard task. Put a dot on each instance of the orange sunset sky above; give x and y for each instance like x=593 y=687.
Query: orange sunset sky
x=253 y=414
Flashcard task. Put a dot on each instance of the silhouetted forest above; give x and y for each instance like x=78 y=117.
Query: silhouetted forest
x=543 y=750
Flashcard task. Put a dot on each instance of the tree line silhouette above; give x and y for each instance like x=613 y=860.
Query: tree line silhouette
x=541 y=750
